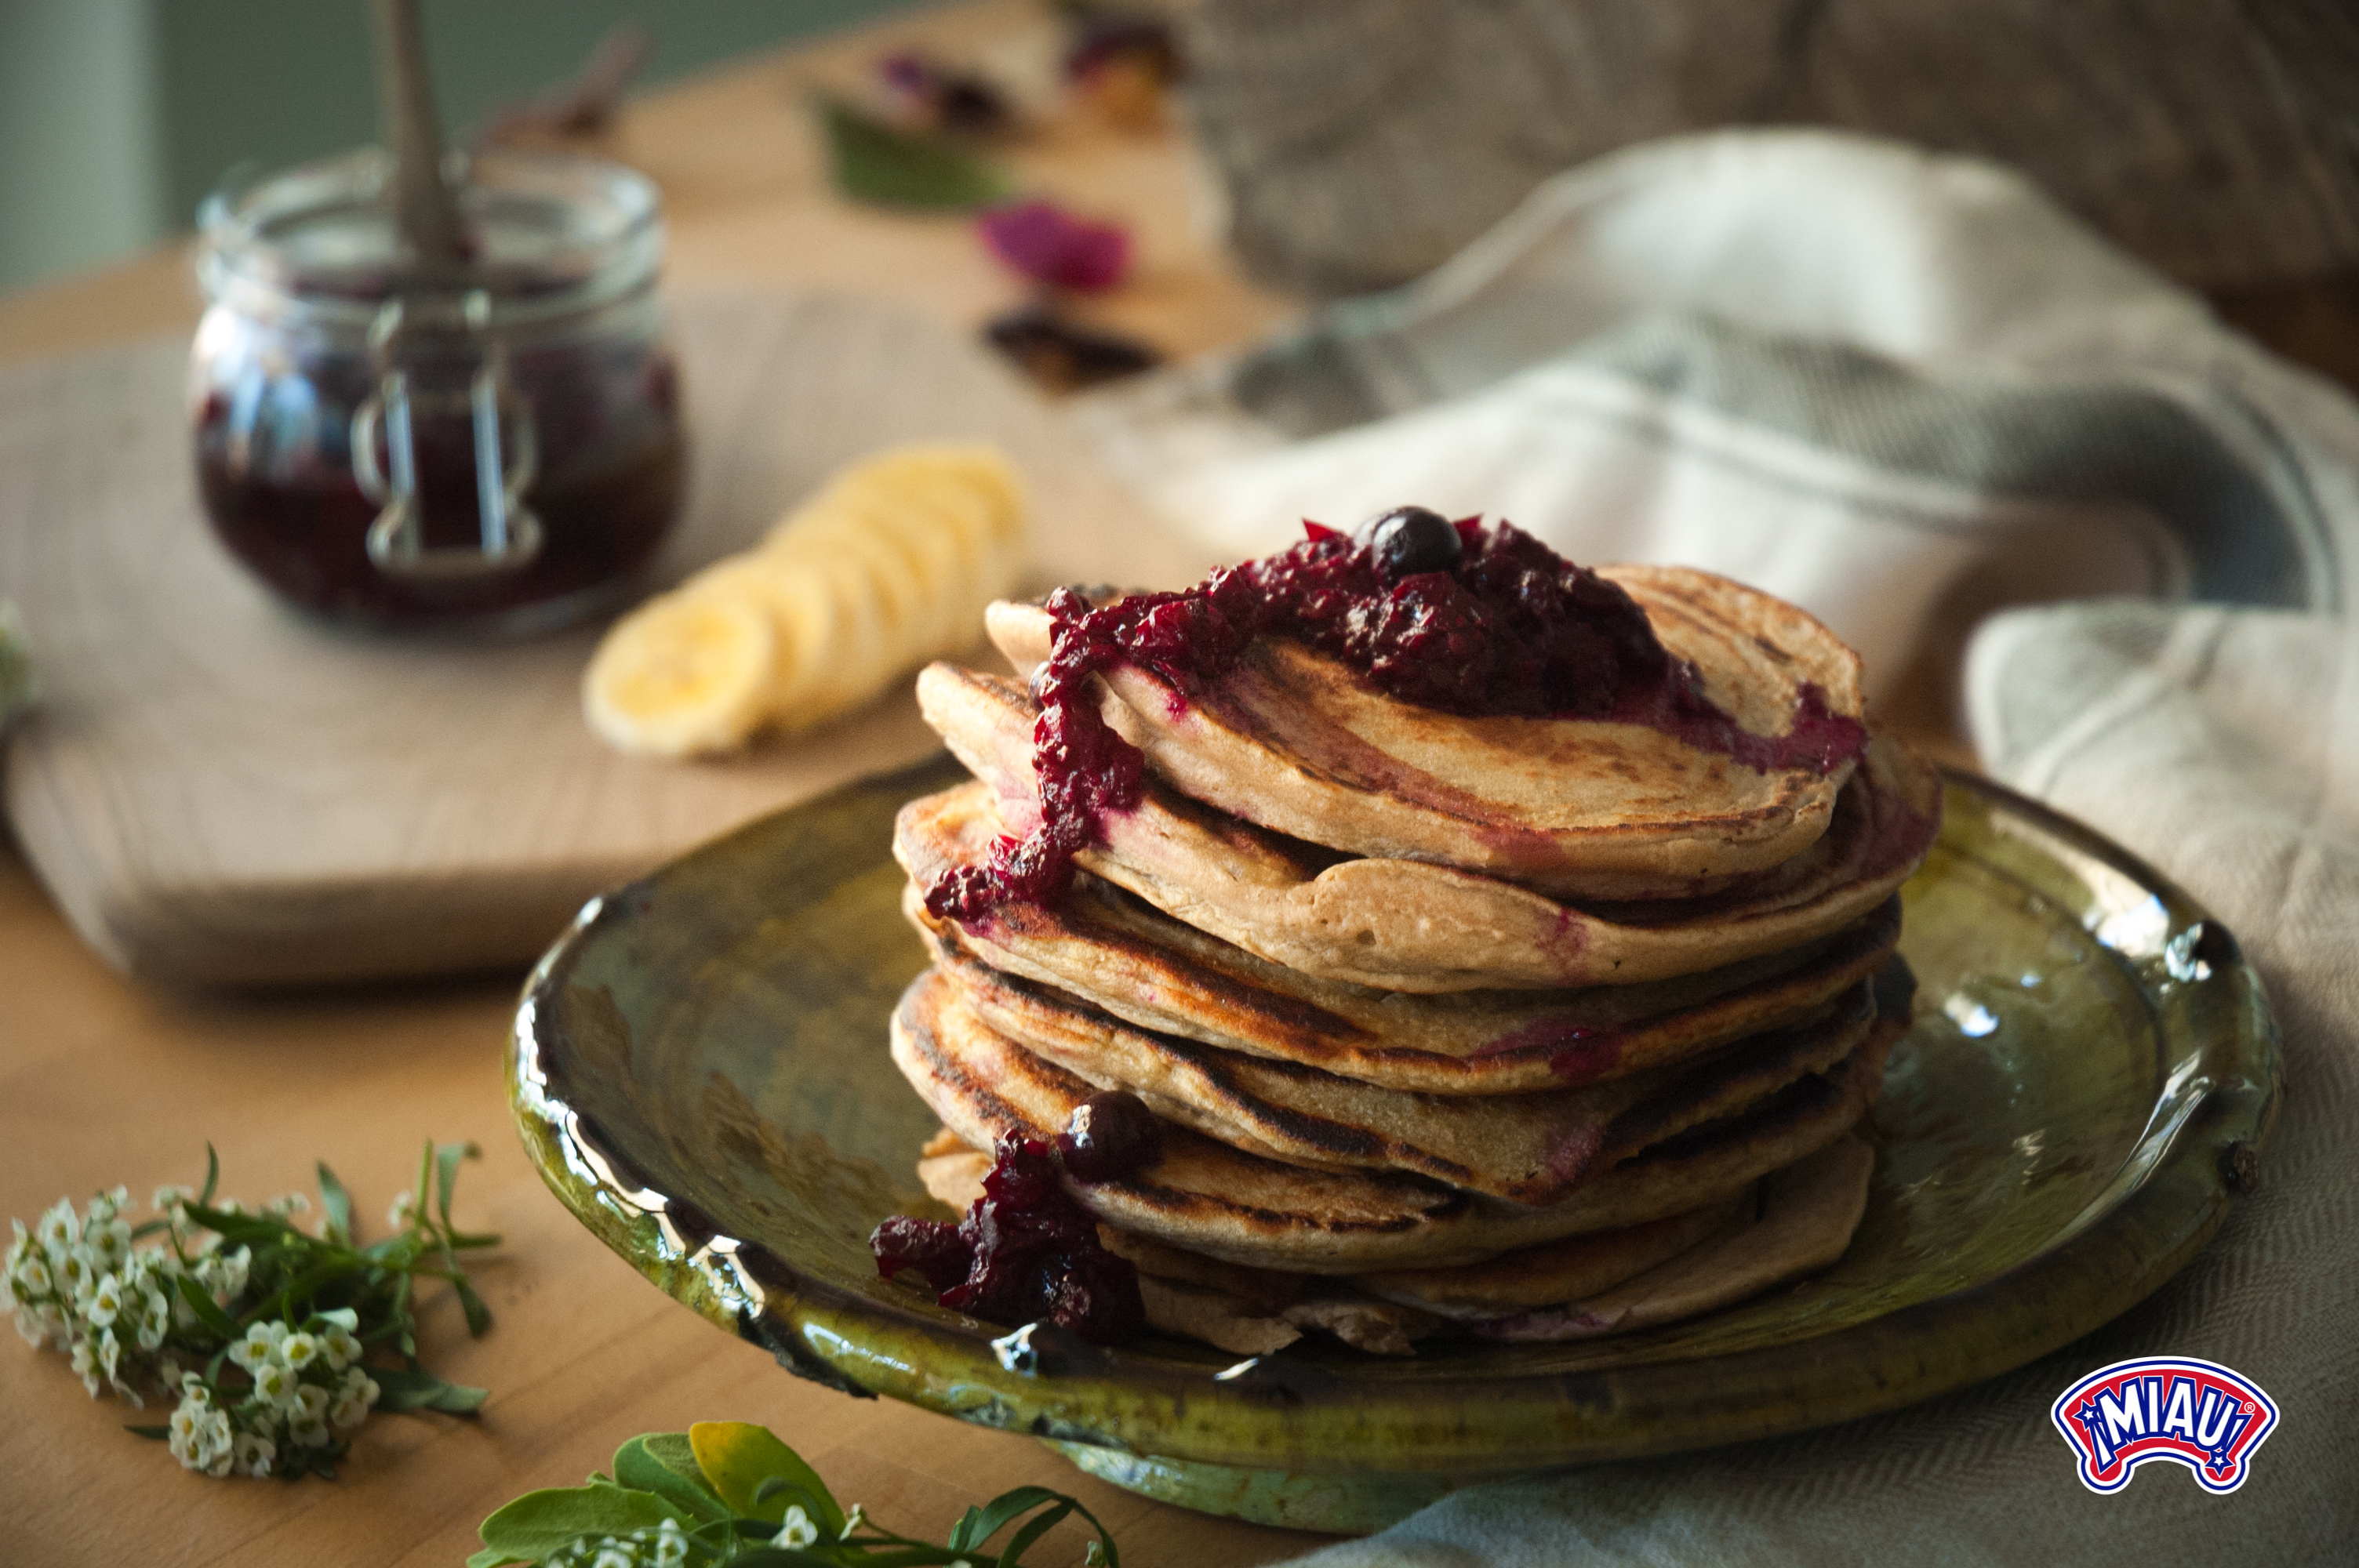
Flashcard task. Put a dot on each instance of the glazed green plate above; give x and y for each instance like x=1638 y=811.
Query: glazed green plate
x=700 y=1070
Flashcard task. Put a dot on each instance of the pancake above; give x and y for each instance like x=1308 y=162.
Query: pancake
x=1529 y=1148
x=1294 y=740
x=1557 y=1272
x=1408 y=925
x=1113 y=950
x=1810 y=1211
x=1206 y=1198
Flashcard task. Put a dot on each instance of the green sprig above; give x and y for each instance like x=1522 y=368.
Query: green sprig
x=274 y=1340
x=731 y=1493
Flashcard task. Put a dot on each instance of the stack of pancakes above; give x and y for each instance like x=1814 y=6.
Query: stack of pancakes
x=1532 y=1028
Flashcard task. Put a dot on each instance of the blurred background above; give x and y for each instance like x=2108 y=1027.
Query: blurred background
x=118 y=116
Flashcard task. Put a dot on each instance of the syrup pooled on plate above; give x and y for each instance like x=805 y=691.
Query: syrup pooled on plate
x=1452 y=616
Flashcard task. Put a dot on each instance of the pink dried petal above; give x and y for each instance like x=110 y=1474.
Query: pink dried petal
x=1052 y=246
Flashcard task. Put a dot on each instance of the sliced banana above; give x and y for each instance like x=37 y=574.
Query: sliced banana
x=683 y=674
x=889 y=564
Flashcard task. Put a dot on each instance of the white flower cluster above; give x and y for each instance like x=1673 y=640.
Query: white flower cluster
x=309 y=1387
x=76 y=1284
x=661 y=1546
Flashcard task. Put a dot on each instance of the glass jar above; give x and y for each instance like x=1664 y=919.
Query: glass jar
x=495 y=447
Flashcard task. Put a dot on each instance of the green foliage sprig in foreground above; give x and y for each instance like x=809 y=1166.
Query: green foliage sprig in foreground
x=275 y=1341
x=727 y=1492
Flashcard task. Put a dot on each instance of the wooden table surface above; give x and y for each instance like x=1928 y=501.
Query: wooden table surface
x=101 y=1081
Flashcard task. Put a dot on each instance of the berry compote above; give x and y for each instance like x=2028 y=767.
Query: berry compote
x=333 y=374
x=1499 y=625
x=1025 y=1251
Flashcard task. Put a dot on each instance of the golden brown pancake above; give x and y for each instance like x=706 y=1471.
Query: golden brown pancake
x=1113 y=950
x=1557 y=1272
x=1207 y=1197
x=1529 y=1148
x=1810 y=1211
x=1297 y=742
x=1408 y=925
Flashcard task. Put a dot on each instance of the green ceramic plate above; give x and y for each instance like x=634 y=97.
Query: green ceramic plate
x=699 y=1071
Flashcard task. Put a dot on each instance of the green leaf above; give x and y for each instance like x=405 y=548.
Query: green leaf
x=160 y=1434
x=491 y=1557
x=871 y=161
x=210 y=1315
x=446 y=1175
x=538 y=1523
x=782 y=1557
x=213 y=1175
x=664 y=1462
x=405 y=1390
x=1034 y=1528
x=980 y=1524
x=479 y=1316
x=336 y=1201
x=737 y=1456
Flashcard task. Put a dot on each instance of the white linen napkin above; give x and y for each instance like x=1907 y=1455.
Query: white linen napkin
x=1899 y=389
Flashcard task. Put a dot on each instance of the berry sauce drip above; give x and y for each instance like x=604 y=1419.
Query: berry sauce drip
x=1447 y=615
x=1025 y=1251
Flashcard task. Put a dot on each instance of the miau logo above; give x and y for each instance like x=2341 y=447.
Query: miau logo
x=2196 y=1414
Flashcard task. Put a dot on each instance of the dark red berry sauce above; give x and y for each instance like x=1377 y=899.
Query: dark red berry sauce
x=1025 y=1252
x=1511 y=628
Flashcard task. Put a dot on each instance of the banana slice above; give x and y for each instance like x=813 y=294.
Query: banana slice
x=889 y=564
x=682 y=674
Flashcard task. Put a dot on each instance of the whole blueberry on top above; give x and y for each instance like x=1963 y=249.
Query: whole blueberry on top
x=1409 y=539
x=1109 y=1136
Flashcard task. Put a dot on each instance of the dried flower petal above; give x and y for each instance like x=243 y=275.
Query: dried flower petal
x=1045 y=242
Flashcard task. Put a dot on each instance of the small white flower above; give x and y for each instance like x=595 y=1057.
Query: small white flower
x=109 y=1241
x=348 y=1411
x=359 y=1385
x=183 y=1423
x=310 y=1403
x=289 y=1202
x=105 y=1205
x=852 y=1521
x=311 y=1433
x=256 y=1348
x=85 y=1364
x=171 y=1198
x=1094 y=1556
x=339 y=1346
x=275 y=1383
x=74 y=1273
x=31 y=1275
x=254 y=1453
x=105 y=1302
x=32 y=1329
x=299 y=1350
x=193 y=1390
x=796 y=1530
x=670 y=1544
x=155 y=1317
x=612 y=1553
x=218 y=1443
x=402 y=1211
x=59 y=1228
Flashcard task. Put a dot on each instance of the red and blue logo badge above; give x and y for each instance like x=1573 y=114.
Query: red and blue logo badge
x=2197 y=1413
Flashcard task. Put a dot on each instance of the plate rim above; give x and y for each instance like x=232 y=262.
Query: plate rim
x=1277 y=1412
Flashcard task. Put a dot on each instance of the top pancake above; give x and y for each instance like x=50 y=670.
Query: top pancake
x=1297 y=742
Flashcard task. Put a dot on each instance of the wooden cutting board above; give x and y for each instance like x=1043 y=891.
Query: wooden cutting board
x=217 y=792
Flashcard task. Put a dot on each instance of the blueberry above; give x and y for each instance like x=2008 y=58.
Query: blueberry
x=1410 y=539
x=1109 y=1136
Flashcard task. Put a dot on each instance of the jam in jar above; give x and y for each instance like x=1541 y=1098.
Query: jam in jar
x=495 y=446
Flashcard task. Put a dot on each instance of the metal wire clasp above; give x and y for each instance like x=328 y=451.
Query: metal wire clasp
x=509 y=536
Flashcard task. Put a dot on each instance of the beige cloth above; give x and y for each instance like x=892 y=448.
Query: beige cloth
x=2224 y=746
